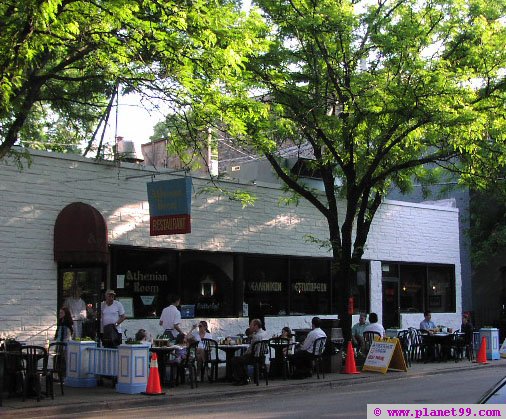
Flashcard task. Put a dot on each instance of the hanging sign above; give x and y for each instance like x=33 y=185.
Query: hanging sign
x=169 y=206
x=385 y=354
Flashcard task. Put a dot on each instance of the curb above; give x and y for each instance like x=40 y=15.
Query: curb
x=69 y=406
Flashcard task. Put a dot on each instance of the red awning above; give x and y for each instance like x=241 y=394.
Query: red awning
x=80 y=235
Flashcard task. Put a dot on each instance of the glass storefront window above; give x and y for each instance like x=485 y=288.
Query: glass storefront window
x=412 y=288
x=359 y=290
x=310 y=286
x=440 y=289
x=206 y=282
x=265 y=285
x=426 y=287
x=143 y=279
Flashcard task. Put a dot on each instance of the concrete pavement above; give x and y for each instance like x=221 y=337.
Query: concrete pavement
x=105 y=398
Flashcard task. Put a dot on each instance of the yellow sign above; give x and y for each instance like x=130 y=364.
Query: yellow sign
x=385 y=354
x=502 y=350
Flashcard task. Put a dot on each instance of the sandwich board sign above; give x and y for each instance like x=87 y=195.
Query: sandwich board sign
x=385 y=354
x=502 y=350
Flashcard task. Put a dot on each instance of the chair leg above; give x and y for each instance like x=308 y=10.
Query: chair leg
x=49 y=385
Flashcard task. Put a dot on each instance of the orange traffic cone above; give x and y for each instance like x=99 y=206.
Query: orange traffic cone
x=482 y=353
x=153 y=387
x=349 y=365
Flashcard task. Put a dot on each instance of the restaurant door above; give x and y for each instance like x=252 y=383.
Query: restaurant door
x=79 y=290
x=80 y=249
x=391 y=309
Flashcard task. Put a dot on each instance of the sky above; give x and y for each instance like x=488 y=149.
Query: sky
x=133 y=120
x=136 y=119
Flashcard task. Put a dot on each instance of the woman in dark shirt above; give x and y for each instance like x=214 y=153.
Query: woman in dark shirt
x=467 y=328
x=64 y=325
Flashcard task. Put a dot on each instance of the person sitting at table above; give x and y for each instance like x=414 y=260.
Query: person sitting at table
x=427 y=324
x=64 y=325
x=141 y=336
x=302 y=358
x=238 y=364
x=247 y=335
x=180 y=353
x=286 y=333
x=374 y=326
x=170 y=319
x=357 y=332
x=202 y=332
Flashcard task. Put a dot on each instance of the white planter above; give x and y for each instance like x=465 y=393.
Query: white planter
x=492 y=336
x=133 y=368
x=78 y=358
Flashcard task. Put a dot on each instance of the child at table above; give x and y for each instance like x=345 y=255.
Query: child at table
x=286 y=333
x=182 y=351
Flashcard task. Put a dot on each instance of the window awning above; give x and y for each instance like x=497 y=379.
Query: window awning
x=80 y=235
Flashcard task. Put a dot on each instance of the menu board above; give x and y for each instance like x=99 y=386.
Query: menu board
x=128 y=305
x=385 y=354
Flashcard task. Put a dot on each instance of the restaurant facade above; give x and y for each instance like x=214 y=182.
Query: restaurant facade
x=76 y=226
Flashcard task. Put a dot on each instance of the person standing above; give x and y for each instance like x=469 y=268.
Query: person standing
x=170 y=319
x=113 y=314
x=77 y=308
x=64 y=325
x=467 y=328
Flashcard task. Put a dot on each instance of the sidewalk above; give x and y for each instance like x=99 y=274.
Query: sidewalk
x=105 y=398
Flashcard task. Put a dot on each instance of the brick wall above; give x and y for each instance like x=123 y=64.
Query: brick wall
x=32 y=198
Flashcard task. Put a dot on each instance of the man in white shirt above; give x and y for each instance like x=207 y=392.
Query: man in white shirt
x=170 y=319
x=113 y=314
x=77 y=308
x=374 y=326
x=302 y=359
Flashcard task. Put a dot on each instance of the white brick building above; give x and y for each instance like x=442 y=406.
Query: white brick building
x=412 y=248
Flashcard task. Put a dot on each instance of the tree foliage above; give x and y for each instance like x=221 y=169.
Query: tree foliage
x=65 y=58
x=383 y=93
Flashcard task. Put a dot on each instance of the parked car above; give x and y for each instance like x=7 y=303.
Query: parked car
x=496 y=394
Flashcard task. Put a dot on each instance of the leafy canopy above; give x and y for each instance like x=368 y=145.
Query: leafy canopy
x=63 y=59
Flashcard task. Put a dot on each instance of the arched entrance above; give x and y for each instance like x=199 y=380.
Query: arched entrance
x=80 y=249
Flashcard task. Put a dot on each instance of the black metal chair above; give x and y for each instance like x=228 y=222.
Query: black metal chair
x=258 y=351
x=57 y=355
x=278 y=355
x=417 y=347
x=403 y=336
x=212 y=360
x=317 y=355
x=13 y=368
x=369 y=339
x=457 y=345
x=188 y=364
x=32 y=357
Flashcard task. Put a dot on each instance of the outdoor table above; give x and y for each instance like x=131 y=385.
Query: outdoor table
x=11 y=372
x=439 y=344
x=280 y=359
x=163 y=353
x=230 y=352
